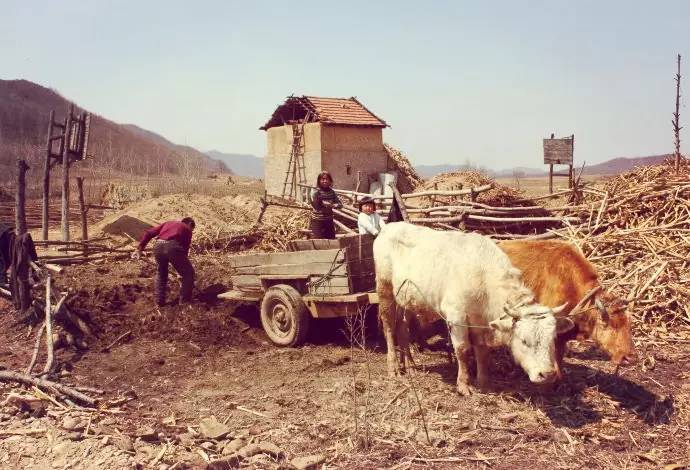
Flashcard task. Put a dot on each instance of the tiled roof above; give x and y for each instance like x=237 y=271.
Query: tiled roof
x=338 y=111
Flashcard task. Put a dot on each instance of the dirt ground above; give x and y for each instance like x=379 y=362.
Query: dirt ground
x=533 y=186
x=329 y=399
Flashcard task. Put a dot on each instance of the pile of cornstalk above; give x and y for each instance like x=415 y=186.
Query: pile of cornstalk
x=637 y=232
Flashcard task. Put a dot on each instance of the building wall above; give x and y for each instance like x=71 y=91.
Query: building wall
x=360 y=148
x=279 y=146
x=331 y=148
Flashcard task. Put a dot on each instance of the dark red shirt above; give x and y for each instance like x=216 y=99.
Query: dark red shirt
x=172 y=230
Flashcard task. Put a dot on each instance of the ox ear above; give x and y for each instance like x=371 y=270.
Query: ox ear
x=503 y=324
x=563 y=325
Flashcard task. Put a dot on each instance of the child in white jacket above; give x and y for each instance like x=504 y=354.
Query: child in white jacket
x=368 y=220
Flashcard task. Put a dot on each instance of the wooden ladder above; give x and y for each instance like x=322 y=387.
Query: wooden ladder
x=296 y=170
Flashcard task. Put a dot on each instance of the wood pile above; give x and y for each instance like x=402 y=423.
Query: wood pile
x=498 y=195
x=637 y=232
x=408 y=178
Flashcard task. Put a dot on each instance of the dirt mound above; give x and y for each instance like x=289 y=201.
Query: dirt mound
x=408 y=178
x=498 y=195
x=213 y=216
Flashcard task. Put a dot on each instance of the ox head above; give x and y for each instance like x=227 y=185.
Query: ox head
x=611 y=328
x=533 y=330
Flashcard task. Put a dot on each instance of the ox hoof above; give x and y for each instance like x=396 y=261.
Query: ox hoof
x=464 y=390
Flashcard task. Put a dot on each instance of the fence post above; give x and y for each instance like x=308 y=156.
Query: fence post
x=65 y=174
x=20 y=200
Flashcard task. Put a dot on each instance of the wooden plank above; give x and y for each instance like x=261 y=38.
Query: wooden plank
x=354 y=253
x=246 y=280
x=290 y=257
x=373 y=298
x=327 y=289
x=347 y=298
x=313 y=244
x=339 y=281
x=240 y=296
x=287 y=277
x=302 y=268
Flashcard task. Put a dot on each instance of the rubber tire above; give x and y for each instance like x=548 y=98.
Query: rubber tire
x=285 y=300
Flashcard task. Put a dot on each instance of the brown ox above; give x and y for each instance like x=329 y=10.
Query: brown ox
x=557 y=273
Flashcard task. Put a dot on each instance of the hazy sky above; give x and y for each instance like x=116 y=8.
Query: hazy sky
x=457 y=81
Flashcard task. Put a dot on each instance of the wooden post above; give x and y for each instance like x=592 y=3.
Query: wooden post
x=20 y=199
x=551 y=178
x=49 y=327
x=46 y=179
x=676 y=122
x=401 y=202
x=65 y=175
x=570 y=177
x=82 y=209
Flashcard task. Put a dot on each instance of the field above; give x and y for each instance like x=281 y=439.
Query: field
x=167 y=373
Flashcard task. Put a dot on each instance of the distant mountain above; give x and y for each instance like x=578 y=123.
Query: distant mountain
x=185 y=150
x=241 y=164
x=24 y=111
x=610 y=167
x=620 y=165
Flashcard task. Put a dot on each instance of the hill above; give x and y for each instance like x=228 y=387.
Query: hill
x=241 y=164
x=24 y=111
x=614 y=166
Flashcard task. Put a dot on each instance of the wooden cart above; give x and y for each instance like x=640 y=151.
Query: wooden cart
x=315 y=279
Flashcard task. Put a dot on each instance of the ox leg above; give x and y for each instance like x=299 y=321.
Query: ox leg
x=481 y=354
x=459 y=336
x=561 y=348
x=403 y=341
x=387 y=312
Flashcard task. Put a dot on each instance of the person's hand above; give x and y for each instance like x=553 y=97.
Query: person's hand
x=136 y=254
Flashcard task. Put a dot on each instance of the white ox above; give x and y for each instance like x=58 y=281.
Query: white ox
x=471 y=283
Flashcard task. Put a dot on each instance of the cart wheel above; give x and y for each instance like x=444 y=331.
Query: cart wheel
x=284 y=316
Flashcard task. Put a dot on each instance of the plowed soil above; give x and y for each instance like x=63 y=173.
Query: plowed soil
x=174 y=366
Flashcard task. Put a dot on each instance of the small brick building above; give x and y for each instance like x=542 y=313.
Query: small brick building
x=308 y=134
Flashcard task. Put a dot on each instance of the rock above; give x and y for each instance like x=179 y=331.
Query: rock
x=186 y=439
x=233 y=446
x=225 y=464
x=74 y=436
x=309 y=462
x=147 y=434
x=261 y=448
x=73 y=424
x=207 y=445
x=211 y=428
x=125 y=443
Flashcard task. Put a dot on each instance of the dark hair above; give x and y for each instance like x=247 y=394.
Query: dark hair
x=323 y=173
x=189 y=221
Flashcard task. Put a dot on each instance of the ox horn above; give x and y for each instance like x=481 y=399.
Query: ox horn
x=510 y=312
x=559 y=309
